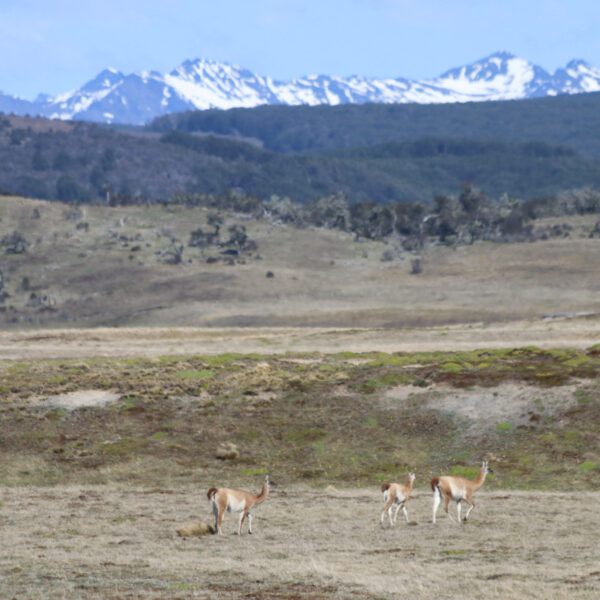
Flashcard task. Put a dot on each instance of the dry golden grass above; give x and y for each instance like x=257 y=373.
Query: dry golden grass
x=106 y=542
x=112 y=275
x=580 y=332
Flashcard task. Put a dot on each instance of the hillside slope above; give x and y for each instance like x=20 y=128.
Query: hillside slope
x=133 y=266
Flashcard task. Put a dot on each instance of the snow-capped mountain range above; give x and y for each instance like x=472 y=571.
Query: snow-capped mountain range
x=113 y=97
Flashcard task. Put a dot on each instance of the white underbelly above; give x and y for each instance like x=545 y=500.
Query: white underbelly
x=457 y=492
x=236 y=506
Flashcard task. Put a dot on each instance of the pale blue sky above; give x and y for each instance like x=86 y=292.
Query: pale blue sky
x=53 y=46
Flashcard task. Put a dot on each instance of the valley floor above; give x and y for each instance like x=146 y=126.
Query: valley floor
x=120 y=542
x=577 y=332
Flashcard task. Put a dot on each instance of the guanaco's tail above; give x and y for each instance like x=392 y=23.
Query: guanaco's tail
x=385 y=486
x=435 y=484
x=210 y=494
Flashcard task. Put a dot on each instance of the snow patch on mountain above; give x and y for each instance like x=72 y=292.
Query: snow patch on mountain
x=202 y=84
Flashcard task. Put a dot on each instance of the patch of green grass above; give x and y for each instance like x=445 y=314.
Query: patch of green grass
x=371 y=422
x=58 y=379
x=258 y=471
x=127 y=446
x=460 y=471
x=129 y=519
x=169 y=359
x=588 y=465
x=219 y=360
x=451 y=367
x=577 y=361
x=348 y=355
x=202 y=374
x=386 y=380
x=159 y=435
x=131 y=361
x=128 y=402
x=56 y=415
x=504 y=426
x=582 y=396
x=182 y=586
x=299 y=436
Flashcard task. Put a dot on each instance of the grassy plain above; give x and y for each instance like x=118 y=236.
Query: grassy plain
x=119 y=542
x=108 y=435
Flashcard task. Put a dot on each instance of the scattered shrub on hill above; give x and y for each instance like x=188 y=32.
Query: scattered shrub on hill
x=14 y=243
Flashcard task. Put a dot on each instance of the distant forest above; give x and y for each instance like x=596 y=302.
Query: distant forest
x=566 y=120
x=370 y=153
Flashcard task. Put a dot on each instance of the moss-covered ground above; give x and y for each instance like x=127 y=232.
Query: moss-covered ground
x=312 y=418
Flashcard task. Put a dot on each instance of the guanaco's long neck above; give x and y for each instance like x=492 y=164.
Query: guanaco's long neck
x=263 y=493
x=478 y=482
x=409 y=484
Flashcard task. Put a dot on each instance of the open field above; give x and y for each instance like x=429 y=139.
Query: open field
x=114 y=543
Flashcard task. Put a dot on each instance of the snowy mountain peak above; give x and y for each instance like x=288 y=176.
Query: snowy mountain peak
x=203 y=83
x=104 y=79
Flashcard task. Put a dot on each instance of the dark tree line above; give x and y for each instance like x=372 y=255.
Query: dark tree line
x=451 y=219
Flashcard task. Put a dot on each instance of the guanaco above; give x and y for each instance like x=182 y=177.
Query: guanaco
x=398 y=494
x=457 y=488
x=236 y=501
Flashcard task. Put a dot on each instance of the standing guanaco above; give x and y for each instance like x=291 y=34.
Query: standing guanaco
x=457 y=488
x=236 y=501
x=398 y=494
